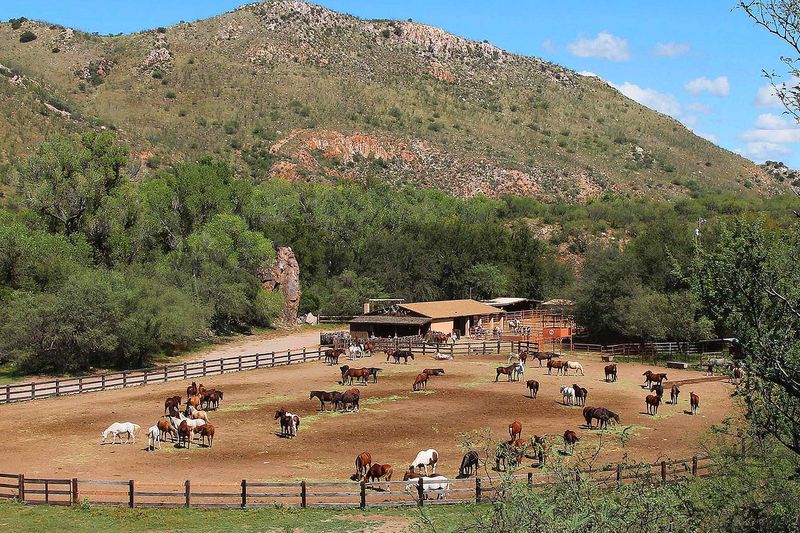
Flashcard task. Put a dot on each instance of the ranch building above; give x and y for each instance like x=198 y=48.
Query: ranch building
x=511 y=305
x=422 y=318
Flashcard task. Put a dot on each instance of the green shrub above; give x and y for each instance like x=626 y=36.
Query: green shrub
x=27 y=36
x=17 y=23
x=170 y=95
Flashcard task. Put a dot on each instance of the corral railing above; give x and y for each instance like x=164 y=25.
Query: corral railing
x=253 y=494
x=35 y=390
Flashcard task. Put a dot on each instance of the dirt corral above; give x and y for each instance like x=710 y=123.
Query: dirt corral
x=60 y=436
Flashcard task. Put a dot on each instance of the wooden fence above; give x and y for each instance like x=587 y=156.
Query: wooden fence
x=254 y=494
x=131 y=378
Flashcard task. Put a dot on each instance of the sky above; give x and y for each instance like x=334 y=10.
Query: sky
x=698 y=61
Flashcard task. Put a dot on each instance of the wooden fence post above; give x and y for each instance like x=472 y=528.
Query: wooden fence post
x=244 y=493
x=144 y=381
x=498 y=346
x=694 y=465
x=240 y=363
x=204 y=367
x=304 y=354
x=619 y=473
x=58 y=391
x=124 y=379
x=187 y=491
x=423 y=349
x=477 y=490
x=451 y=350
x=74 y=490
x=184 y=370
x=21 y=487
x=663 y=470
x=420 y=492
x=46 y=491
x=33 y=390
x=303 y=494
x=363 y=495
x=530 y=480
x=131 y=502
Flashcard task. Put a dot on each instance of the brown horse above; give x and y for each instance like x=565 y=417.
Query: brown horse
x=376 y=472
x=580 y=394
x=511 y=371
x=194 y=401
x=542 y=356
x=738 y=374
x=694 y=402
x=184 y=434
x=350 y=399
x=206 y=432
x=570 y=440
x=370 y=347
x=287 y=423
x=165 y=427
x=560 y=366
x=323 y=397
x=611 y=372
x=673 y=394
x=515 y=430
x=651 y=377
x=191 y=390
x=363 y=462
x=533 y=388
x=332 y=356
x=172 y=402
x=421 y=382
x=433 y=371
x=349 y=373
x=400 y=354
x=652 y=402
x=523 y=358
x=212 y=398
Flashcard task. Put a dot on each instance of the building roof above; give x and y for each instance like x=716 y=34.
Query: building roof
x=451 y=309
x=559 y=302
x=388 y=319
x=504 y=301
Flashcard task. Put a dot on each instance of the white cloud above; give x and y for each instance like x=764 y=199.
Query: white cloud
x=671 y=49
x=604 y=46
x=768 y=121
x=718 y=86
x=761 y=151
x=548 y=45
x=767 y=99
x=697 y=107
x=662 y=102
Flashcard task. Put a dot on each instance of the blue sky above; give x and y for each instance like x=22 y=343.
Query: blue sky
x=700 y=62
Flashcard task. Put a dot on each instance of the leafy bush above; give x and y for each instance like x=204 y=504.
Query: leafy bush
x=27 y=36
x=17 y=22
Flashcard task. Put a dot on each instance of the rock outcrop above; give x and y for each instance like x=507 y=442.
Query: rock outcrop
x=284 y=275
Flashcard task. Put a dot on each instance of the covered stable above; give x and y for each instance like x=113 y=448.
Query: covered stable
x=446 y=316
x=511 y=305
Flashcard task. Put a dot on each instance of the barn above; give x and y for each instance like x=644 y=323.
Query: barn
x=421 y=318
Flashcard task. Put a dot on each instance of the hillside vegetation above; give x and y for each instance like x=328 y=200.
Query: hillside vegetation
x=288 y=89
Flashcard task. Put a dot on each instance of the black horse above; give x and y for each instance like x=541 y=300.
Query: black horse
x=468 y=464
x=401 y=354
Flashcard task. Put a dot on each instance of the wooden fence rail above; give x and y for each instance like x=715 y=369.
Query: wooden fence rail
x=255 y=494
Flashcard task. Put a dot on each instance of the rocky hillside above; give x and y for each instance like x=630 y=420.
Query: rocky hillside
x=286 y=88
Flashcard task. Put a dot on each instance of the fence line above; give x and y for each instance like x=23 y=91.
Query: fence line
x=255 y=494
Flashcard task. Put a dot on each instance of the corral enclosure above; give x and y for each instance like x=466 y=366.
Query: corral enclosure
x=59 y=437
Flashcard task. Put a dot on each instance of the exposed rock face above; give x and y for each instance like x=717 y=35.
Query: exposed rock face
x=284 y=275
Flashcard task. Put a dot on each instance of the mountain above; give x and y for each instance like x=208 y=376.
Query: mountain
x=287 y=88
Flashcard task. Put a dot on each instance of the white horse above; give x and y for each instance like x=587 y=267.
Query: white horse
x=197 y=414
x=295 y=422
x=425 y=459
x=438 y=484
x=574 y=365
x=153 y=438
x=121 y=427
x=439 y=356
x=519 y=370
x=568 y=395
x=356 y=352
x=513 y=358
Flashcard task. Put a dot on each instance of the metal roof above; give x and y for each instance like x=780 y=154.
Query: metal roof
x=504 y=301
x=387 y=319
x=451 y=308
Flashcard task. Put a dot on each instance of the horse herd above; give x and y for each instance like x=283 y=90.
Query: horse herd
x=181 y=425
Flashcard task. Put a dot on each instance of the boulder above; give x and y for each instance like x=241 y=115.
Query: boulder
x=284 y=275
x=311 y=319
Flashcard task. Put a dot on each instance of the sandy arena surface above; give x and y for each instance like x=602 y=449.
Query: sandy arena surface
x=60 y=437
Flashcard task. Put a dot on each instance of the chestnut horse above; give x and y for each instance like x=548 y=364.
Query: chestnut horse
x=515 y=430
x=206 y=433
x=363 y=462
x=433 y=371
x=400 y=354
x=611 y=372
x=323 y=396
x=332 y=356
x=570 y=440
x=560 y=366
x=191 y=390
x=421 y=382
x=694 y=402
x=542 y=356
x=511 y=371
x=651 y=377
x=349 y=373
x=652 y=402
x=376 y=472
x=184 y=434
x=165 y=427
x=673 y=394
x=533 y=388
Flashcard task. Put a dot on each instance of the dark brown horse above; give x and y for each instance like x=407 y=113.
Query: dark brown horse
x=400 y=354
x=191 y=390
x=580 y=394
x=350 y=399
x=469 y=463
x=184 y=434
x=523 y=358
x=373 y=371
x=421 y=382
x=652 y=402
x=172 y=402
x=542 y=356
x=433 y=371
x=570 y=440
x=560 y=366
x=658 y=388
x=533 y=388
x=332 y=356
x=511 y=371
x=673 y=394
x=212 y=398
x=652 y=377
x=349 y=373
x=363 y=462
x=611 y=372
x=323 y=396
x=694 y=402
x=376 y=472
x=288 y=422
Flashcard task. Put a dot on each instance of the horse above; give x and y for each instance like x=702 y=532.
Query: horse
x=539 y=445
x=573 y=365
x=421 y=382
x=363 y=462
x=424 y=459
x=429 y=484
x=165 y=427
x=712 y=364
x=673 y=394
x=116 y=428
x=509 y=453
x=570 y=440
x=288 y=421
x=370 y=347
x=213 y=398
x=542 y=356
x=350 y=398
x=533 y=388
x=153 y=438
x=580 y=394
x=191 y=390
x=172 y=401
x=515 y=430
x=198 y=415
x=602 y=415
x=511 y=371
x=184 y=434
x=400 y=354
x=611 y=372
x=567 y=395
x=433 y=371
x=356 y=352
x=349 y=373
x=558 y=365
x=373 y=371
x=376 y=472
x=738 y=374
x=651 y=377
x=694 y=402
x=523 y=358
x=439 y=356
x=332 y=356
x=658 y=388
x=194 y=401
x=469 y=463
x=206 y=433
x=652 y=402
x=323 y=397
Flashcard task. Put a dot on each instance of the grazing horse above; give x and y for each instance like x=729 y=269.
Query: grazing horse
x=363 y=462
x=573 y=365
x=533 y=387
x=421 y=382
x=673 y=394
x=652 y=402
x=184 y=434
x=400 y=354
x=165 y=427
x=437 y=484
x=509 y=453
x=376 y=472
x=580 y=394
x=469 y=463
x=116 y=428
x=694 y=402
x=511 y=371
x=611 y=372
x=713 y=364
x=651 y=377
x=323 y=397
x=515 y=430
x=570 y=440
x=206 y=433
x=349 y=400
x=424 y=459
x=560 y=366
x=542 y=356
x=658 y=388
x=373 y=371
x=172 y=402
x=153 y=438
x=433 y=371
x=602 y=415
x=332 y=356
x=191 y=390
x=567 y=395
x=349 y=373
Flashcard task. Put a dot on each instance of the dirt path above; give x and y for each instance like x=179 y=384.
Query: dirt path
x=274 y=341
